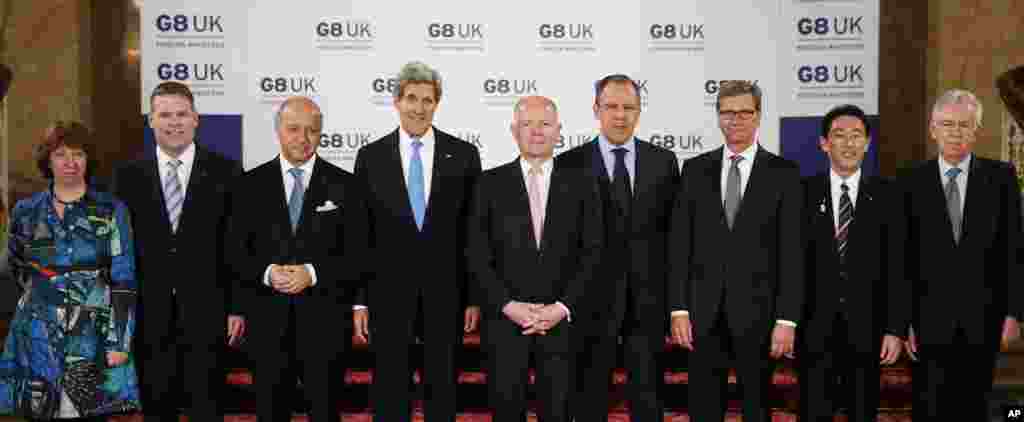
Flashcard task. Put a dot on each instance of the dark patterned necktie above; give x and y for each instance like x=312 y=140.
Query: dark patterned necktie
x=845 y=218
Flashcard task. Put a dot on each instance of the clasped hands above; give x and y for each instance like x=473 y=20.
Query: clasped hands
x=290 y=279
x=534 y=318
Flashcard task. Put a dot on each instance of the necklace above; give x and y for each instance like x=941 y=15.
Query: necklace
x=62 y=202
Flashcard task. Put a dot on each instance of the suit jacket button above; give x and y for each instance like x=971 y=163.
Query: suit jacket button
x=174 y=250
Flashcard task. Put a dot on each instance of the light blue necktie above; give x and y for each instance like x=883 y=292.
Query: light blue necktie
x=295 y=200
x=417 y=196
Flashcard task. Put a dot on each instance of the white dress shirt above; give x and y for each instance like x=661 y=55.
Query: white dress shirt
x=426 y=157
x=545 y=186
x=961 y=180
x=289 y=183
x=187 y=158
x=745 y=167
x=836 y=181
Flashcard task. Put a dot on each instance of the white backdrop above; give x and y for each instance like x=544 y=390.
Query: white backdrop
x=244 y=58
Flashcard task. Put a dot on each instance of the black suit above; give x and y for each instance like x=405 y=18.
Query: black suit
x=736 y=282
x=308 y=329
x=962 y=291
x=505 y=260
x=851 y=304
x=633 y=268
x=416 y=275
x=189 y=325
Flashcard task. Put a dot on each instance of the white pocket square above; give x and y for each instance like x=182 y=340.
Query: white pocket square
x=327 y=206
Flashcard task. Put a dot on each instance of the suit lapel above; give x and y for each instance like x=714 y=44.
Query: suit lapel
x=152 y=172
x=754 y=195
x=977 y=186
x=195 y=185
x=547 y=226
x=276 y=179
x=937 y=195
x=442 y=156
x=521 y=201
x=716 y=184
x=643 y=183
x=315 y=195
x=396 y=179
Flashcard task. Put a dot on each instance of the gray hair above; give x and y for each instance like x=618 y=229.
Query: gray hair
x=520 y=107
x=284 y=104
x=418 y=72
x=958 y=96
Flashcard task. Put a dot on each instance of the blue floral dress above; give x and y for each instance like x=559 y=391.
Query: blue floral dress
x=78 y=281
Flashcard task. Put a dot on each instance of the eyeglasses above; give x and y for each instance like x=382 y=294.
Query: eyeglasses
x=742 y=115
x=628 y=108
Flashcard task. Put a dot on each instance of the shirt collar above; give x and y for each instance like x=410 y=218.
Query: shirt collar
x=964 y=165
x=186 y=157
x=545 y=167
x=607 y=146
x=852 y=182
x=406 y=139
x=747 y=154
x=307 y=167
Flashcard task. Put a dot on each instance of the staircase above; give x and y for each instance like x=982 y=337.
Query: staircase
x=354 y=402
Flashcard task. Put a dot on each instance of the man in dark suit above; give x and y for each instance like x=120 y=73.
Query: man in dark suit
x=419 y=180
x=534 y=243
x=636 y=182
x=964 y=237
x=857 y=296
x=179 y=201
x=299 y=230
x=736 y=283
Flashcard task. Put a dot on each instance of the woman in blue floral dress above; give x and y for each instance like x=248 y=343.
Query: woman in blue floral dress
x=68 y=353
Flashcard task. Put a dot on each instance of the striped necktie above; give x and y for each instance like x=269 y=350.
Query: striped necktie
x=173 y=195
x=845 y=218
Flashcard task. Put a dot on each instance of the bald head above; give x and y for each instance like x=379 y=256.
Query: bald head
x=298 y=123
x=535 y=127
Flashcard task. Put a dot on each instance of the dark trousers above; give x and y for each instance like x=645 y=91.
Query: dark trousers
x=509 y=353
x=597 y=358
x=180 y=372
x=834 y=375
x=307 y=352
x=954 y=379
x=709 y=373
x=392 y=385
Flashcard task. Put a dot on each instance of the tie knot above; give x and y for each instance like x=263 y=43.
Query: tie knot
x=844 y=188
x=619 y=152
x=174 y=163
x=295 y=172
x=416 y=143
x=535 y=170
x=736 y=158
x=953 y=172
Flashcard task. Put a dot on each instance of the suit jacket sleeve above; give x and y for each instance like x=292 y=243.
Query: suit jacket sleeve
x=590 y=239
x=789 y=298
x=480 y=257
x=1012 y=225
x=470 y=289
x=242 y=256
x=361 y=292
x=894 y=235
x=227 y=277
x=680 y=245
